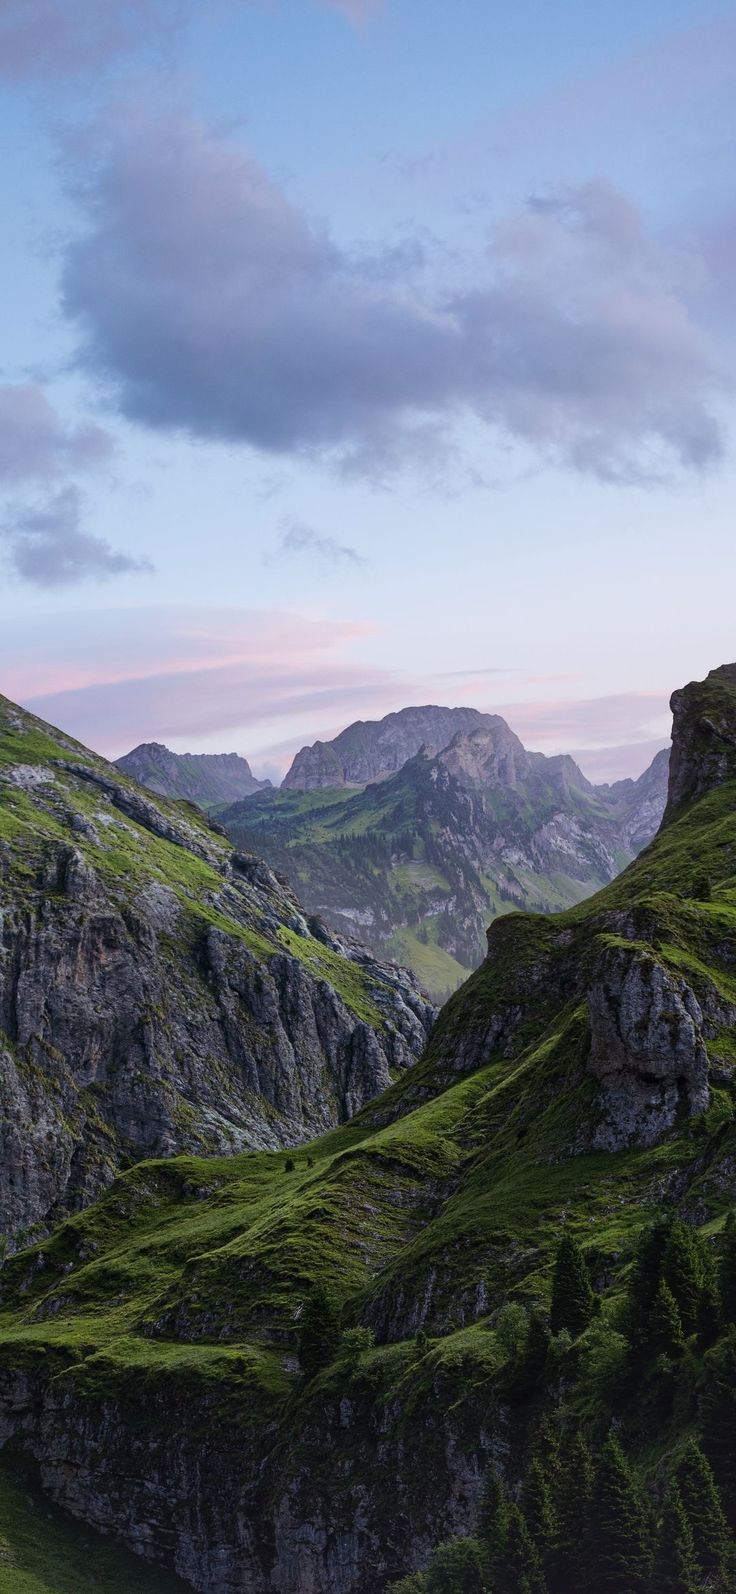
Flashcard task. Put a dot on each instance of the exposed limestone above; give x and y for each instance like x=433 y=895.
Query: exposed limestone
x=160 y=993
x=647 y=1049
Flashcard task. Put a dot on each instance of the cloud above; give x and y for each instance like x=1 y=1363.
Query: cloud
x=604 y=765
x=58 y=38
x=45 y=39
x=47 y=546
x=35 y=444
x=124 y=676
x=215 y=307
x=596 y=723
x=210 y=677
x=297 y=538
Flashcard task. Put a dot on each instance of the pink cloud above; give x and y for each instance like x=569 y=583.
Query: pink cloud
x=610 y=737
x=266 y=682
x=127 y=676
x=608 y=764
x=76 y=651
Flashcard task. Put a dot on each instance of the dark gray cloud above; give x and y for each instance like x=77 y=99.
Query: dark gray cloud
x=48 y=546
x=298 y=538
x=215 y=307
x=35 y=444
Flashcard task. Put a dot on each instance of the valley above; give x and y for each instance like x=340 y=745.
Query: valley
x=307 y=1372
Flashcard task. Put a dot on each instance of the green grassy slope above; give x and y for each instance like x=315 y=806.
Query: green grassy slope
x=416 y=861
x=43 y=1551
x=437 y=1208
x=127 y=854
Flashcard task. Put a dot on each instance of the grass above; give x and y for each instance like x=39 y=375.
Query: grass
x=44 y=1551
x=436 y=970
x=127 y=856
x=181 y=1288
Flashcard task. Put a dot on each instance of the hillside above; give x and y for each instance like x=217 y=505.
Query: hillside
x=44 y=1551
x=579 y=1084
x=158 y=991
x=203 y=778
x=419 y=863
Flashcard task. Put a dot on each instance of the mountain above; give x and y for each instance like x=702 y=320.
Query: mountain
x=203 y=778
x=370 y=750
x=419 y=862
x=500 y=1302
x=160 y=992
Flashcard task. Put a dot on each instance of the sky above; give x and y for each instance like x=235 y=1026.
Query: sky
x=359 y=353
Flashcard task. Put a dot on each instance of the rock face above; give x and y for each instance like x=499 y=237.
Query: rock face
x=158 y=992
x=703 y=738
x=639 y=804
x=488 y=755
x=371 y=750
x=203 y=778
x=647 y=1048
x=149 y=1347
x=425 y=857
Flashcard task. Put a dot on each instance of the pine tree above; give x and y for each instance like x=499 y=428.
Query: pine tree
x=647 y=1269
x=319 y=1331
x=682 y=1270
x=535 y=1353
x=572 y=1499
x=493 y=1516
x=520 y=1569
x=457 y=1568
x=675 y=1567
x=709 y=1309
x=573 y=1301
x=718 y=1406
x=664 y=1330
x=539 y=1511
x=700 y=1497
x=546 y=1444
x=727 y=1271
x=619 y=1540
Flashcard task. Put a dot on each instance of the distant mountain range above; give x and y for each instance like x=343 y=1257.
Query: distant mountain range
x=202 y=778
x=481 y=1334
x=415 y=830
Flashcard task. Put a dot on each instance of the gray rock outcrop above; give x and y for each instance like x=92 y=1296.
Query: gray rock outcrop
x=647 y=1049
x=160 y=993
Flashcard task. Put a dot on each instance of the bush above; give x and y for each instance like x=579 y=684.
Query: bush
x=511 y=1331
x=354 y=1342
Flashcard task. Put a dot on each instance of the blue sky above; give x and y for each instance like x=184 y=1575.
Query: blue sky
x=358 y=354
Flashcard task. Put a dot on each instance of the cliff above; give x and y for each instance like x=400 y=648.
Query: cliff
x=203 y=778
x=160 y=992
x=580 y=1083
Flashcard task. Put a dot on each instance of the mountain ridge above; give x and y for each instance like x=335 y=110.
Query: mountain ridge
x=581 y=1083
x=160 y=991
x=420 y=860
x=204 y=778
x=369 y=750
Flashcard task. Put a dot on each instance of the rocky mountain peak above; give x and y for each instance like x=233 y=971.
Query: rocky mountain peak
x=203 y=778
x=371 y=750
x=703 y=738
x=489 y=754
